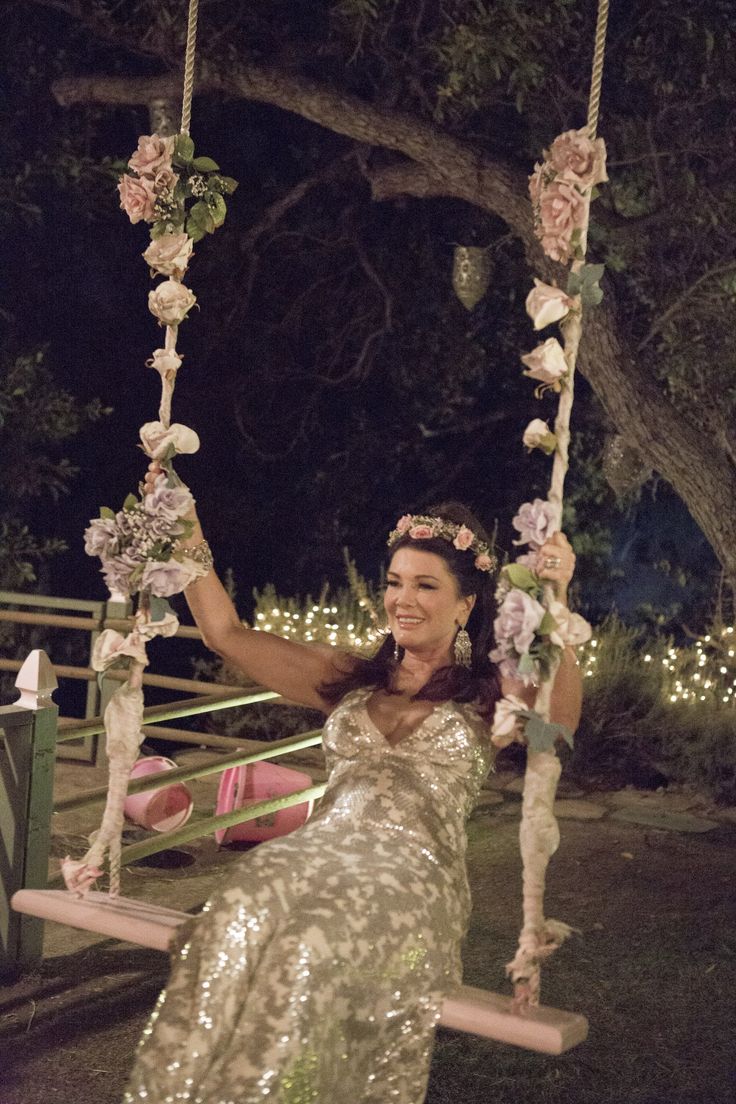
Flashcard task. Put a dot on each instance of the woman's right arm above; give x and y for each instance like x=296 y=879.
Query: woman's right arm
x=294 y=670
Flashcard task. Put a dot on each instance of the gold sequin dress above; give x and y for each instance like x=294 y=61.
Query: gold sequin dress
x=317 y=973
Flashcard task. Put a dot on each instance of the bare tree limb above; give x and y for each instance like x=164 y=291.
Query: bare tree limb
x=678 y=303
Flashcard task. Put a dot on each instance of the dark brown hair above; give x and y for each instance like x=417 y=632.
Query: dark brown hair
x=480 y=683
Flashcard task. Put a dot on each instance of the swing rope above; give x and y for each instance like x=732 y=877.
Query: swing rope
x=186 y=107
x=596 y=79
x=539 y=834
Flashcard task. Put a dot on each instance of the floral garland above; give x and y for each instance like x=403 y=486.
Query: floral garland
x=532 y=627
x=182 y=198
x=425 y=527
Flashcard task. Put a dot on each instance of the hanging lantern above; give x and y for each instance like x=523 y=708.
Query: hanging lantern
x=471 y=274
x=163 y=115
x=623 y=467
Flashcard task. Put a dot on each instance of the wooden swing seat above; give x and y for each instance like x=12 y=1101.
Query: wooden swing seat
x=546 y=1030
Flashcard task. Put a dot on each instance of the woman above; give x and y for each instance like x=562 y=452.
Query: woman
x=318 y=972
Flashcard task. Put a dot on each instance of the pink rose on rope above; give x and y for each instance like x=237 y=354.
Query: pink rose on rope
x=165 y=181
x=137 y=198
x=535 y=522
x=463 y=539
x=153 y=154
x=171 y=302
x=421 y=532
x=518 y=619
x=546 y=363
x=170 y=255
x=546 y=304
x=578 y=159
x=562 y=210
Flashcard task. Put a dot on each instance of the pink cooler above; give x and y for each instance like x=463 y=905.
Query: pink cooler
x=159 y=810
x=242 y=786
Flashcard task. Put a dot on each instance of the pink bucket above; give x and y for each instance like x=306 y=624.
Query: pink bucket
x=241 y=786
x=158 y=810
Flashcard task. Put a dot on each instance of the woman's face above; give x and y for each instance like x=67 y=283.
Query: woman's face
x=423 y=602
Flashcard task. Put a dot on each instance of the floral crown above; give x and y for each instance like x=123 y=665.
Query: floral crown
x=424 y=527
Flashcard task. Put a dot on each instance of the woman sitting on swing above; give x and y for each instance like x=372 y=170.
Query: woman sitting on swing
x=318 y=972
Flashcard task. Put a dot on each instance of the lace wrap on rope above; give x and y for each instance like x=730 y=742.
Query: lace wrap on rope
x=539 y=838
x=123 y=723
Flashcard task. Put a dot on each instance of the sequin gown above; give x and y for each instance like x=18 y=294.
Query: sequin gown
x=317 y=974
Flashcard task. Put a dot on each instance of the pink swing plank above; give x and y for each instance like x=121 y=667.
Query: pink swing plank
x=122 y=918
x=546 y=1030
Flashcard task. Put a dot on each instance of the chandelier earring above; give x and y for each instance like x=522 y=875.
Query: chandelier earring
x=463 y=648
x=397 y=654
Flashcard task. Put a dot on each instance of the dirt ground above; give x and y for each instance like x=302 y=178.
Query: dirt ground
x=653 y=969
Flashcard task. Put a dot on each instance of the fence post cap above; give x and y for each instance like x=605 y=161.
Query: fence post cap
x=36 y=681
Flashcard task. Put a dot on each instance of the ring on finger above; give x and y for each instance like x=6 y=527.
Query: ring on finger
x=552 y=562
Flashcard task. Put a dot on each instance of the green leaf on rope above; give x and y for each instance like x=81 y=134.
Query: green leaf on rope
x=587 y=276
x=183 y=149
x=521 y=578
x=547 y=624
x=527 y=665
x=201 y=218
x=159 y=607
x=135 y=577
x=107 y=513
x=224 y=184
x=204 y=164
x=541 y=735
x=218 y=208
x=130 y=503
x=194 y=232
x=591 y=296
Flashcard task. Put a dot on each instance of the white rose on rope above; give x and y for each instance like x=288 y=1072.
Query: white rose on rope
x=538 y=435
x=171 y=302
x=158 y=440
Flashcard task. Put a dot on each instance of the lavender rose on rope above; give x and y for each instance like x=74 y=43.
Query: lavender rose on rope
x=139 y=545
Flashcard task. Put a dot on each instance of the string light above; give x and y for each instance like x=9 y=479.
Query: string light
x=702 y=672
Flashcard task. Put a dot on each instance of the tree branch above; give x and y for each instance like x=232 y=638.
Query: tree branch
x=674 y=307
x=440 y=165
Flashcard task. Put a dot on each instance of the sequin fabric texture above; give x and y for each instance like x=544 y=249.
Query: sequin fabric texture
x=317 y=973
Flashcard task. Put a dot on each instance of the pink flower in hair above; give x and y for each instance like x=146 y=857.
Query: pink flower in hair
x=403 y=523
x=483 y=562
x=464 y=538
x=421 y=532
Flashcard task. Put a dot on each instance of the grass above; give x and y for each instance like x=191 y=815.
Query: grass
x=654 y=970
